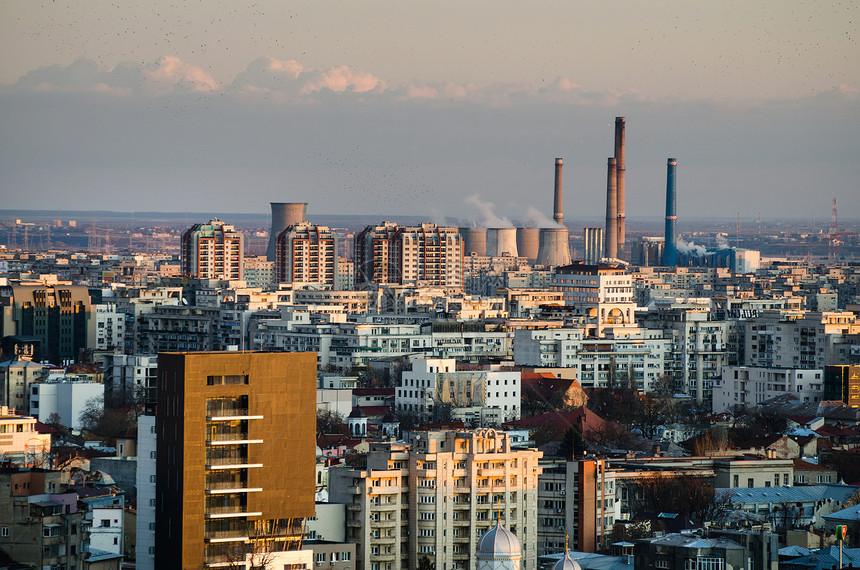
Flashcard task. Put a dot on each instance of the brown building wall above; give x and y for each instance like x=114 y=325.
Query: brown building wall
x=281 y=388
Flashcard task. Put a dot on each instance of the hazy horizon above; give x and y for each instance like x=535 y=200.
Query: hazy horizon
x=439 y=110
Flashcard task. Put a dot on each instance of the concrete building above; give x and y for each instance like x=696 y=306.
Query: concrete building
x=842 y=383
x=797 y=339
x=747 y=386
x=707 y=551
x=213 y=250
x=19 y=440
x=435 y=497
x=601 y=294
x=40 y=525
x=576 y=499
x=426 y=255
x=637 y=357
x=57 y=314
x=698 y=350
x=259 y=272
x=109 y=325
x=435 y=384
x=238 y=481
x=16 y=377
x=306 y=253
x=593 y=242
x=130 y=378
x=146 y=476
x=67 y=397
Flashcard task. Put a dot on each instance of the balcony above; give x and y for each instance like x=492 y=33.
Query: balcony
x=230 y=511
x=228 y=490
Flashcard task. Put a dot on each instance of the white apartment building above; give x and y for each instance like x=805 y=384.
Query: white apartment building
x=108 y=327
x=797 y=339
x=67 y=397
x=603 y=294
x=145 y=529
x=637 y=355
x=436 y=382
x=259 y=272
x=130 y=377
x=436 y=497
x=306 y=253
x=698 y=347
x=750 y=385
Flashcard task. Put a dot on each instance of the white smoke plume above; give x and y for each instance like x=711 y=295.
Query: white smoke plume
x=722 y=243
x=534 y=218
x=690 y=248
x=487 y=210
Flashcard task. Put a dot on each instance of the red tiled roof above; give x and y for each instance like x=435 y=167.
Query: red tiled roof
x=581 y=418
x=801 y=465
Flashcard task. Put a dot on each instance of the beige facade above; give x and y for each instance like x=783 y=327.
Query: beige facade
x=213 y=250
x=437 y=497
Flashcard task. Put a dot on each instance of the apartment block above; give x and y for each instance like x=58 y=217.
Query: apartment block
x=213 y=250
x=602 y=294
x=306 y=253
x=576 y=502
x=427 y=255
x=436 y=383
x=436 y=497
x=235 y=456
x=747 y=386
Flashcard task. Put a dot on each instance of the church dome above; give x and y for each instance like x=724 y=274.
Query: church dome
x=498 y=542
x=566 y=563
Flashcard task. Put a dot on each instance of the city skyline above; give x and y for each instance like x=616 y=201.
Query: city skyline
x=173 y=109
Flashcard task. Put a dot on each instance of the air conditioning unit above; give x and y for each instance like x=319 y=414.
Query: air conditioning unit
x=562 y=492
x=558 y=511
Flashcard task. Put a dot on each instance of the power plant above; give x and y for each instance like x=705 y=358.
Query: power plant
x=558 y=202
x=284 y=215
x=620 y=123
x=474 y=240
x=554 y=247
x=611 y=249
x=502 y=240
x=670 y=247
x=528 y=243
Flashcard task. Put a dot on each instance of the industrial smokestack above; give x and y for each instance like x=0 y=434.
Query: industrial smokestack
x=611 y=248
x=620 y=168
x=284 y=215
x=474 y=241
x=554 y=247
x=528 y=243
x=502 y=240
x=670 y=247
x=558 y=206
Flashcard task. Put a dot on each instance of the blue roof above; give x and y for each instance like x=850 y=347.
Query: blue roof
x=800 y=494
x=826 y=558
x=849 y=514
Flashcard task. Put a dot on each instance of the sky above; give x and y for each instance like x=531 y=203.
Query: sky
x=442 y=109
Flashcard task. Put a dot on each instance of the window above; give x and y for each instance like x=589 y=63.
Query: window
x=750 y=483
x=105 y=523
x=4 y=531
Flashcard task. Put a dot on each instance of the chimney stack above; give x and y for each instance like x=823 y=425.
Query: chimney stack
x=284 y=215
x=611 y=249
x=670 y=248
x=620 y=123
x=558 y=206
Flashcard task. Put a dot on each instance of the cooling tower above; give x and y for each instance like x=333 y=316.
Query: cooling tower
x=619 y=181
x=528 y=243
x=502 y=240
x=670 y=247
x=474 y=241
x=611 y=249
x=284 y=215
x=558 y=206
x=554 y=247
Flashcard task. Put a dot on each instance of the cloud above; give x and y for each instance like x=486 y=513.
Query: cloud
x=168 y=74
